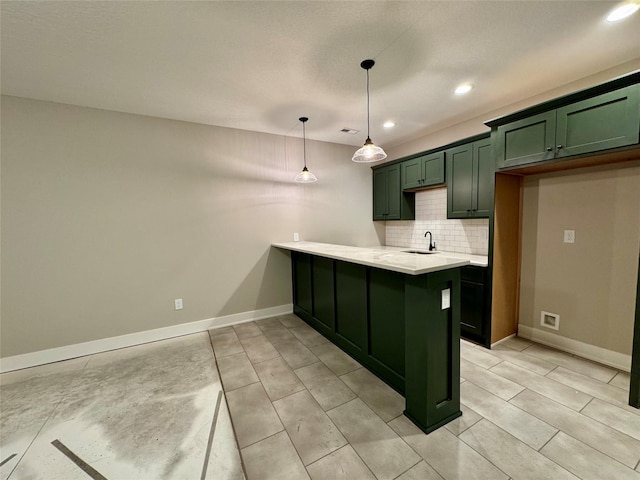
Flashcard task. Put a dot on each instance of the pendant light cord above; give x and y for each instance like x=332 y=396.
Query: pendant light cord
x=304 y=145
x=368 y=121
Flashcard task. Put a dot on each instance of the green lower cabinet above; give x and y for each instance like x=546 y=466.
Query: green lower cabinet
x=301 y=265
x=386 y=325
x=432 y=356
x=475 y=317
x=393 y=324
x=351 y=307
x=323 y=293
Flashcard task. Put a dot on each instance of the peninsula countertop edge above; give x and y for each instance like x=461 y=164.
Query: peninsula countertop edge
x=395 y=259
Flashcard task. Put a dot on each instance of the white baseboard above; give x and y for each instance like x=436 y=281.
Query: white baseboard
x=617 y=360
x=51 y=355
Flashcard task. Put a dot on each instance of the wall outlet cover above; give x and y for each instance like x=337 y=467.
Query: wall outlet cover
x=446 y=298
x=296 y=237
x=178 y=303
x=569 y=236
x=550 y=320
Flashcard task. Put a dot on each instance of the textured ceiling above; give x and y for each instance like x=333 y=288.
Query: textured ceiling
x=261 y=65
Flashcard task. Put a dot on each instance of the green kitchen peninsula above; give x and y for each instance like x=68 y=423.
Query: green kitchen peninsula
x=397 y=313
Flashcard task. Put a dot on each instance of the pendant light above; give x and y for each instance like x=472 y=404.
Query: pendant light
x=369 y=152
x=305 y=176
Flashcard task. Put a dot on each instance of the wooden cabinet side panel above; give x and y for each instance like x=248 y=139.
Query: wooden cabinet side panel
x=505 y=295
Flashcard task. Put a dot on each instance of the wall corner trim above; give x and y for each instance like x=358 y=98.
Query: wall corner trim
x=613 y=359
x=68 y=352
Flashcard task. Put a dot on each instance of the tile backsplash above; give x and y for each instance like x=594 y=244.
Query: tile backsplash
x=464 y=236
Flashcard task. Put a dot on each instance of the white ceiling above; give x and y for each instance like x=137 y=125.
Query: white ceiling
x=259 y=65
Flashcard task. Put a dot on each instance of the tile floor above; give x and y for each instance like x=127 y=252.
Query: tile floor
x=154 y=411
x=301 y=408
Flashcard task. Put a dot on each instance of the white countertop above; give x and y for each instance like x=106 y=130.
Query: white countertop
x=387 y=258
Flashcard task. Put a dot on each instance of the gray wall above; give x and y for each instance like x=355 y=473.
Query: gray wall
x=107 y=217
x=591 y=284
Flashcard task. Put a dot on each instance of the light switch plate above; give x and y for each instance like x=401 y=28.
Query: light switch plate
x=569 y=236
x=446 y=298
x=178 y=303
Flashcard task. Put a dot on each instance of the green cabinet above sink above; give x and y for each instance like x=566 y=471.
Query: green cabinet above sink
x=423 y=171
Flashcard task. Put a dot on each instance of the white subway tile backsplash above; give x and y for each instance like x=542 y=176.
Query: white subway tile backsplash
x=463 y=236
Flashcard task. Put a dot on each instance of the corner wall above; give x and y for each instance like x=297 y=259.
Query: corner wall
x=591 y=283
x=108 y=217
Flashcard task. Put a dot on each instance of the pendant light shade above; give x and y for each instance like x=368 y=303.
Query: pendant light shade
x=305 y=176
x=369 y=152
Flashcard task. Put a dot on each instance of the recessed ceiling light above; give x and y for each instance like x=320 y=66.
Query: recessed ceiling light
x=463 y=88
x=389 y=124
x=623 y=11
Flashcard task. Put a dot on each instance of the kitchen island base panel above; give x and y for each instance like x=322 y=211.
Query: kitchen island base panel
x=394 y=324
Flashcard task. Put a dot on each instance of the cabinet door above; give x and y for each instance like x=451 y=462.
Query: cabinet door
x=432 y=169
x=351 y=307
x=386 y=321
x=394 y=193
x=323 y=304
x=526 y=141
x=460 y=181
x=302 y=281
x=411 y=173
x=607 y=121
x=484 y=183
x=380 y=194
x=471 y=318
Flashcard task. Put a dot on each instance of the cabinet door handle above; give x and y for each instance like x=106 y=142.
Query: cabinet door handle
x=559 y=147
x=549 y=149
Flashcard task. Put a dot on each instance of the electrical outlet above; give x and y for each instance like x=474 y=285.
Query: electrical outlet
x=296 y=237
x=569 y=236
x=178 y=303
x=446 y=298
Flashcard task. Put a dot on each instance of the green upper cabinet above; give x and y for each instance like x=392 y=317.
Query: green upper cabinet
x=424 y=171
x=470 y=180
x=389 y=203
x=609 y=120
x=526 y=141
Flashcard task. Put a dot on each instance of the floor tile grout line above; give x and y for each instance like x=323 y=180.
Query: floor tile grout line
x=233 y=427
x=484 y=456
x=551 y=438
x=585 y=406
x=420 y=459
x=35 y=437
x=577 y=439
x=212 y=431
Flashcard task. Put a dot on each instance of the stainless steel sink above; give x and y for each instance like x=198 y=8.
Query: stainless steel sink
x=420 y=252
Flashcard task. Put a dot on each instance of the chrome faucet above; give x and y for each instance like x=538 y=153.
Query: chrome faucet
x=432 y=244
